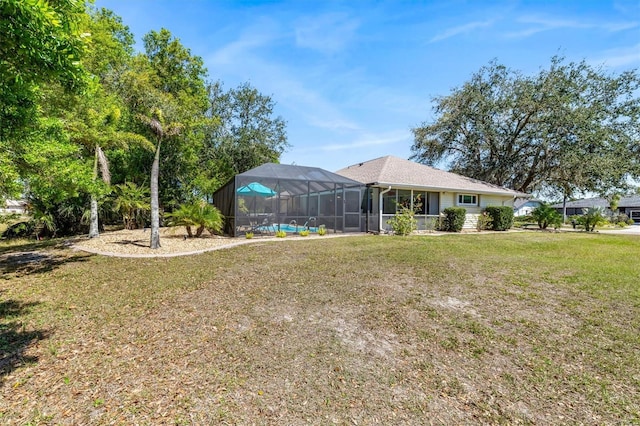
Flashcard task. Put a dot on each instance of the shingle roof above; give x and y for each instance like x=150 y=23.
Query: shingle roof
x=398 y=172
x=632 y=201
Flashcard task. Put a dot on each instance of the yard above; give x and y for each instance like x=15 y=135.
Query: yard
x=531 y=328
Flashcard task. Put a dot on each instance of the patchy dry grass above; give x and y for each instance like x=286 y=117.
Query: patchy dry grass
x=501 y=329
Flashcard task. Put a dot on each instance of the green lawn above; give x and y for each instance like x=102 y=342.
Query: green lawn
x=531 y=328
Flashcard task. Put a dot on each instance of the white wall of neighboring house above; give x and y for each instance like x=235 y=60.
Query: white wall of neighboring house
x=14 y=206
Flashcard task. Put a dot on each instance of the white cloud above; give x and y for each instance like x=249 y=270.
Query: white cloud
x=326 y=33
x=462 y=29
x=369 y=140
x=252 y=38
x=541 y=24
x=619 y=57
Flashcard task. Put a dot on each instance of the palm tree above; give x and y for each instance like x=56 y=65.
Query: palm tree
x=200 y=214
x=156 y=125
x=131 y=201
x=546 y=215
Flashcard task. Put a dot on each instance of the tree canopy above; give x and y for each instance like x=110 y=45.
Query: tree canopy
x=570 y=128
x=78 y=105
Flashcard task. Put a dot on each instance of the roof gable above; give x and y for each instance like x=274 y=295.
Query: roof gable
x=396 y=171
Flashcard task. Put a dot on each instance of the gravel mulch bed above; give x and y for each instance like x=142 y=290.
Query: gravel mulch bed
x=135 y=243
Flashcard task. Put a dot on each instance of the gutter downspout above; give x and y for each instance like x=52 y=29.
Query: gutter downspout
x=366 y=226
x=380 y=209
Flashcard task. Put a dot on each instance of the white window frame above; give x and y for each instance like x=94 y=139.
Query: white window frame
x=461 y=197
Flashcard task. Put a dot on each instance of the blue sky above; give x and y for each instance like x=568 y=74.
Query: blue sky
x=352 y=78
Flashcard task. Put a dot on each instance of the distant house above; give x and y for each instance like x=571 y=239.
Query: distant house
x=391 y=181
x=524 y=206
x=14 y=206
x=627 y=205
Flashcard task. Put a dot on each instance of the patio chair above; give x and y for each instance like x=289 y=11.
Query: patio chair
x=265 y=227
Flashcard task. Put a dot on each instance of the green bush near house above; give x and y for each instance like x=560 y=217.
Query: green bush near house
x=454 y=219
x=404 y=222
x=502 y=217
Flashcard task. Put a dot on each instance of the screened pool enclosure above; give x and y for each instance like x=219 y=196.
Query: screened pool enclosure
x=278 y=197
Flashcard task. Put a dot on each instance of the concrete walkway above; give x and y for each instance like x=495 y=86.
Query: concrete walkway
x=629 y=230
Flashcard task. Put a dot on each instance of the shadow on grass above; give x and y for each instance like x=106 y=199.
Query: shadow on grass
x=36 y=258
x=14 y=338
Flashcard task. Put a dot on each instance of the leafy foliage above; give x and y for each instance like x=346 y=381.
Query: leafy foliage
x=569 y=128
x=454 y=218
x=201 y=215
x=546 y=216
x=132 y=201
x=501 y=217
x=78 y=106
x=246 y=135
x=403 y=222
x=484 y=222
x=591 y=217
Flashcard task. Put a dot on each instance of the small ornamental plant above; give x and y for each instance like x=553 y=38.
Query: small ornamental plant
x=281 y=234
x=322 y=230
x=248 y=235
x=304 y=233
x=404 y=222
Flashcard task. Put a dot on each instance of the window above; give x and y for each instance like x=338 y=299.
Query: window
x=467 y=200
x=389 y=202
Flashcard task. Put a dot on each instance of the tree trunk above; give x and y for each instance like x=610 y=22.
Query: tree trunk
x=93 y=226
x=155 y=208
x=564 y=208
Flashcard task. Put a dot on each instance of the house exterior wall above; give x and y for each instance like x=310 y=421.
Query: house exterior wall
x=446 y=199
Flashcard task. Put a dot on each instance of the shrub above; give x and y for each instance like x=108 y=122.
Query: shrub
x=20 y=230
x=281 y=234
x=454 y=219
x=502 y=217
x=304 y=233
x=484 y=222
x=322 y=230
x=248 y=235
x=592 y=217
x=617 y=218
x=404 y=222
x=546 y=215
x=200 y=214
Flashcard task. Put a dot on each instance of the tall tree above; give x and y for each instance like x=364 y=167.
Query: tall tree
x=40 y=41
x=246 y=134
x=165 y=87
x=571 y=128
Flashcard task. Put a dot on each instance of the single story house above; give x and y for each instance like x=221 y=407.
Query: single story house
x=359 y=198
x=628 y=205
x=391 y=181
x=524 y=206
